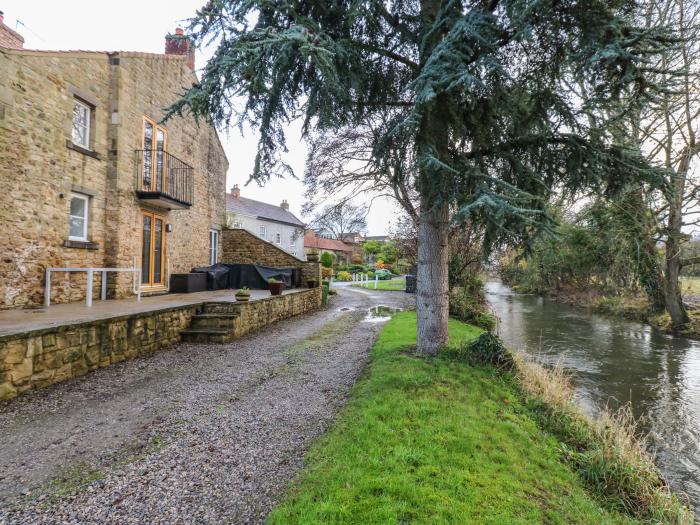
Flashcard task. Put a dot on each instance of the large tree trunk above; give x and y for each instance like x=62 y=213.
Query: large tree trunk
x=672 y=290
x=432 y=292
x=432 y=288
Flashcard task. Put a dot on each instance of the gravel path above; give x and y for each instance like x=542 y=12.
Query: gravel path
x=196 y=434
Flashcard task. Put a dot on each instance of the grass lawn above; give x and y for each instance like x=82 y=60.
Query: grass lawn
x=436 y=442
x=391 y=285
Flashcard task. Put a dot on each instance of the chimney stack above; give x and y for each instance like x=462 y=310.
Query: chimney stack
x=179 y=44
x=285 y=205
x=8 y=37
x=236 y=191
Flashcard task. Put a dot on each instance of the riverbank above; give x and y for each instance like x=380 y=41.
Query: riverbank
x=443 y=440
x=631 y=307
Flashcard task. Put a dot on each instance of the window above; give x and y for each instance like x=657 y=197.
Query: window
x=291 y=240
x=78 y=219
x=81 y=124
x=278 y=238
x=153 y=166
x=213 y=247
x=263 y=232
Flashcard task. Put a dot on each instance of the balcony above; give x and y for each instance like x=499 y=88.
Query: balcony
x=163 y=180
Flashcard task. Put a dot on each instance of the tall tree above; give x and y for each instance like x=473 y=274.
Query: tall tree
x=469 y=93
x=341 y=219
x=666 y=130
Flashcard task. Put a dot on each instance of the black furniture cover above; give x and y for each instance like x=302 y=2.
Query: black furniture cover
x=221 y=276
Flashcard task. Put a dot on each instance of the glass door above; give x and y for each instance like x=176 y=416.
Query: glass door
x=152 y=249
x=153 y=169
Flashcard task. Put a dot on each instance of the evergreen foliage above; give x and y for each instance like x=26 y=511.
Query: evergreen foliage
x=327 y=260
x=493 y=74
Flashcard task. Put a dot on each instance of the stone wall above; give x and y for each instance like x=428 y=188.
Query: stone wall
x=241 y=246
x=44 y=357
x=39 y=167
x=257 y=314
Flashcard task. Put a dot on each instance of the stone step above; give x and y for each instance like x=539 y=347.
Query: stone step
x=214 y=321
x=207 y=335
x=220 y=308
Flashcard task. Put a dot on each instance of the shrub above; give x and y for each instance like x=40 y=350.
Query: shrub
x=487 y=349
x=467 y=307
x=327 y=260
x=370 y=274
x=343 y=276
x=326 y=273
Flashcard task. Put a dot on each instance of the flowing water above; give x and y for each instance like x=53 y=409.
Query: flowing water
x=614 y=361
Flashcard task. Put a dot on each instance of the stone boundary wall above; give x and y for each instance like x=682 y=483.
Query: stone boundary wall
x=242 y=247
x=257 y=314
x=40 y=358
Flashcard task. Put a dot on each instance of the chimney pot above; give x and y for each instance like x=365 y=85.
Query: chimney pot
x=285 y=205
x=179 y=31
x=236 y=191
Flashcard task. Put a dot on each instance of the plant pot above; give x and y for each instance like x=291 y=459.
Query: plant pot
x=242 y=298
x=312 y=257
x=275 y=288
x=311 y=283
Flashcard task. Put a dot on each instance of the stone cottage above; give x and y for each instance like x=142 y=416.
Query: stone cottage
x=90 y=177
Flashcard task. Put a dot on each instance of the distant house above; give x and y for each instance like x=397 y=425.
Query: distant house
x=274 y=224
x=379 y=238
x=340 y=250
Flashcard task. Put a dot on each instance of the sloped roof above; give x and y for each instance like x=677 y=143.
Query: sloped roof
x=261 y=210
x=311 y=240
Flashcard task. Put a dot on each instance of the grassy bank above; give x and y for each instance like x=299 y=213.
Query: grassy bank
x=440 y=441
x=392 y=285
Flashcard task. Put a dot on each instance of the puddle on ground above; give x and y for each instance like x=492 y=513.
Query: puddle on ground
x=380 y=314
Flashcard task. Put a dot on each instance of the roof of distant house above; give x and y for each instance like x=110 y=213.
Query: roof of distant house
x=311 y=240
x=261 y=210
x=380 y=238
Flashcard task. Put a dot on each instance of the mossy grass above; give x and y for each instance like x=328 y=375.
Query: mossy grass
x=441 y=440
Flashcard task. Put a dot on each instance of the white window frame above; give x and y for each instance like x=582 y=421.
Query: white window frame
x=88 y=115
x=262 y=232
x=213 y=247
x=278 y=239
x=86 y=219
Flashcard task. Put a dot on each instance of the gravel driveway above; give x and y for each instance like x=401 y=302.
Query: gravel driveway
x=195 y=434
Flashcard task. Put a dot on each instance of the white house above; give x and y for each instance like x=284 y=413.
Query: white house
x=275 y=224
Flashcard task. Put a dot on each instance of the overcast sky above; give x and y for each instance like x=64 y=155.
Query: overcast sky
x=130 y=25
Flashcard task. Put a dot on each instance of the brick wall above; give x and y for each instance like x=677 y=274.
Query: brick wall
x=241 y=246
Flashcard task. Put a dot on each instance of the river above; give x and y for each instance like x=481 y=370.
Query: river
x=614 y=361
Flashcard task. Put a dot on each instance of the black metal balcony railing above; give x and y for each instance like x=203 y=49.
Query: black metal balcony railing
x=163 y=179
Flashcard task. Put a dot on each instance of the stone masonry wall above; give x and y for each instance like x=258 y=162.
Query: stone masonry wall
x=241 y=246
x=44 y=357
x=39 y=168
x=255 y=315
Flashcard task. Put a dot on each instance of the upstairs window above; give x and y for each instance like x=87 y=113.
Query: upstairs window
x=278 y=238
x=78 y=219
x=263 y=232
x=81 y=124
